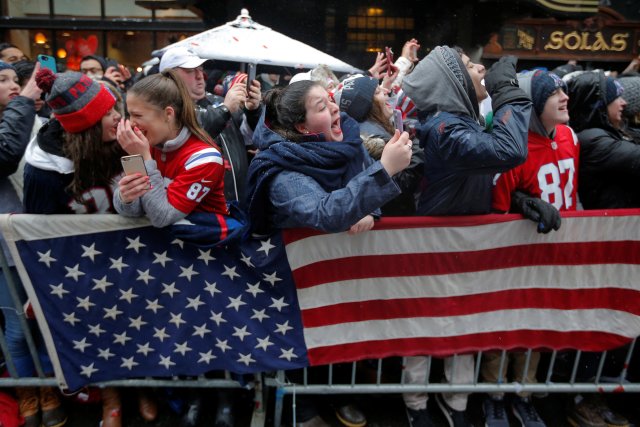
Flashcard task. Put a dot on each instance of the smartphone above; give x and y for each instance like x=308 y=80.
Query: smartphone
x=251 y=71
x=389 y=54
x=397 y=119
x=133 y=164
x=47 y=61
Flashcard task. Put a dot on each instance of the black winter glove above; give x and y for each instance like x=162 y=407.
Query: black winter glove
x=537 y=210
x=502 y=83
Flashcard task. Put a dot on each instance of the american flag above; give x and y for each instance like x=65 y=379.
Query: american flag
x=117 y=298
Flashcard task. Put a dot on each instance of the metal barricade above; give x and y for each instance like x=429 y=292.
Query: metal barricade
x=599 y=384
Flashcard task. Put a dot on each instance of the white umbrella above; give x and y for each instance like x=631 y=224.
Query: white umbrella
x=244 y=40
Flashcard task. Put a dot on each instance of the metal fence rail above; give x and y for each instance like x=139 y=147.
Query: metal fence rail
x=333 y=385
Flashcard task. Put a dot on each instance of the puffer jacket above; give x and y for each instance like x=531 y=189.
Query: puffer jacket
x=609 y=163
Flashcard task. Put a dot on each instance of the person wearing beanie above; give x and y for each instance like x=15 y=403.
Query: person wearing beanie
x=72 y=164
x=461 y=159
x=609 y=159
x=539 y=189
x=355 y=96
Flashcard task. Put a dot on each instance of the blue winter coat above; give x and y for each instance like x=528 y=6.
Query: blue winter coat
x=461 y=159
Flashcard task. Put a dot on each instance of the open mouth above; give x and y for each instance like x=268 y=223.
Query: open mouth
x=335 y=126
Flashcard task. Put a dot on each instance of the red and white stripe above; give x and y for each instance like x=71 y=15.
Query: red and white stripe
x=441 y=286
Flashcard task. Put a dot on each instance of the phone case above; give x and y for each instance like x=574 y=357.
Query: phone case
x=133 y=164
x=49 y=62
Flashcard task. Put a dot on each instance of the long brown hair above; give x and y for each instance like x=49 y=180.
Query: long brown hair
x=95 y=162
x=376 y=114
x=167 y=89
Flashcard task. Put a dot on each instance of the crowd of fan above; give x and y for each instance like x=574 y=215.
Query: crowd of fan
x=436 y=136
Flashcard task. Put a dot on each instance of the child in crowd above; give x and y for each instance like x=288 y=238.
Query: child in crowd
x=545 y=184
x=312 y=171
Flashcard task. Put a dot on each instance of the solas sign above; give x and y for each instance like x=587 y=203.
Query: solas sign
x=533 y=39
x=588 y=41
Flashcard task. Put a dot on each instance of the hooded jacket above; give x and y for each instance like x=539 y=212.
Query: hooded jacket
x=609 y=163
x=461 y=158
x=283 y=193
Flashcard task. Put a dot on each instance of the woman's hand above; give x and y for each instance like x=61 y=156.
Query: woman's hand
x=365 y=224
x=397 y=153
x=410 y=49
x=133 y=186
x=132 y=140
x=379 y=67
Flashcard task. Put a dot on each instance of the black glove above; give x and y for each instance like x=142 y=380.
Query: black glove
x=537 y=210
x=502 y=83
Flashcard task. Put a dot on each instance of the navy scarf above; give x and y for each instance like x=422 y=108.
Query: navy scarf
x=330 y=164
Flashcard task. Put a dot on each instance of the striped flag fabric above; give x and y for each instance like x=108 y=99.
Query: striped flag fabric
x=442 y=286
x=117 y=298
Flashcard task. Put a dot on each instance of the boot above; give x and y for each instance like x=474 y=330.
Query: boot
x=53 y=415
x=147 y=407
x=111 y=408
x=224 y=412
x=29 y=405
x=191 y=417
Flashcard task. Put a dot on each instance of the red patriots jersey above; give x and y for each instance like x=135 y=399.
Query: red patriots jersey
x=549 y=173
x=194 y=177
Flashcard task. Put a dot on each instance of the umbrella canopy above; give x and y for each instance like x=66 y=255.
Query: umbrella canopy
x=244 y=40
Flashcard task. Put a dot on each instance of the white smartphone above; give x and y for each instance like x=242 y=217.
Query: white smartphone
x=133 y=164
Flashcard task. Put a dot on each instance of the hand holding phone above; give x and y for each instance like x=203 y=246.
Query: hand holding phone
x=133 y=164
x=47 y=61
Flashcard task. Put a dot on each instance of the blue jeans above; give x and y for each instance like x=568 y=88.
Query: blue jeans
x=14 y=335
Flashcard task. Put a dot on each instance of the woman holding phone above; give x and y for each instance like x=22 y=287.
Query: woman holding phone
x=163 y=129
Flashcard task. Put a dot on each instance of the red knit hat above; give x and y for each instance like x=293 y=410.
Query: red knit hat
x=77 y=101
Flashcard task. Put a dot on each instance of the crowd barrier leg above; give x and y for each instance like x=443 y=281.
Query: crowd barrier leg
x=17 y=305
